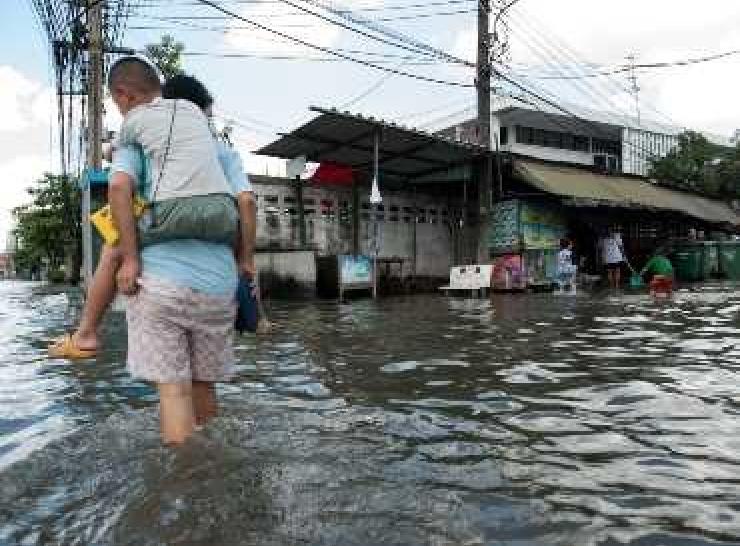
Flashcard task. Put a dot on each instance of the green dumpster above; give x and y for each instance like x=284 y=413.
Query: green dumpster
x=687 y=262
x=729 y=260
x=709 y=260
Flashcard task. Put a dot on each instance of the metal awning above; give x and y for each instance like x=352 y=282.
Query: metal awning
x=587 y=188
x=404 y=153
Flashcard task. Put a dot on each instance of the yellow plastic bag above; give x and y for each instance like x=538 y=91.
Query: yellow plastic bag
x=103 y=220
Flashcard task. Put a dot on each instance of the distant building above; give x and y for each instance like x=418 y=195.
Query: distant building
x=608 y=143
x=7 y=265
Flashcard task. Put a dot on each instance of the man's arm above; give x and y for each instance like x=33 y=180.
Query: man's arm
x=248 y=233
x=120 y=196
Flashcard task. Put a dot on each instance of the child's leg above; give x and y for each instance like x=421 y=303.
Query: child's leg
x=100 y=294
x=205 y=405
x=176 y=415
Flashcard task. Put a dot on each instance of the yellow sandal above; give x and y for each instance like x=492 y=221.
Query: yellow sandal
x=65 y=347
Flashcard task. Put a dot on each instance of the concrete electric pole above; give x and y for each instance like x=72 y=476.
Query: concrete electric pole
x=483 y=87
x=94 y=123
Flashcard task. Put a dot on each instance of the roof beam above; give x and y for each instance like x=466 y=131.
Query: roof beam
x=390 y=156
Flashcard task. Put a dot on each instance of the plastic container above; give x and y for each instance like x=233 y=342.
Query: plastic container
x=688 y=262
x=729 y=260
x=710 y=260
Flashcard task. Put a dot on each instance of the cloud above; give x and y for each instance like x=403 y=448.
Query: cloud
x=543 y=32
x=24 y=103
x=27 y=111
x=17 y=174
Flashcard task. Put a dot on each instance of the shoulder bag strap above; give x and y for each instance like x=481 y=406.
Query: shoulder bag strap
x=166 y=152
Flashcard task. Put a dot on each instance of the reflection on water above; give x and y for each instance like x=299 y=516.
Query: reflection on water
x=525 y=420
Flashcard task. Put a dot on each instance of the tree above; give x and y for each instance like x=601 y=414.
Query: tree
x=166 y=55
x=698 y=164
x=49 y=229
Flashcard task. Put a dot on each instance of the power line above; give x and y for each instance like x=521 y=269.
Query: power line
x=331 y=51
x=353 y=18
x=627 y=68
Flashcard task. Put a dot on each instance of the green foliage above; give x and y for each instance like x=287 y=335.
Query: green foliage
x=166 y=55
x=48 y=229
x=700 y=165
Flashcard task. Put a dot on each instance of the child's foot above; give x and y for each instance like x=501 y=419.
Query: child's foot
x=87 y=342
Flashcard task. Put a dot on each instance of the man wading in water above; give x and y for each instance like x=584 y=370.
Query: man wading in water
x=181 y=307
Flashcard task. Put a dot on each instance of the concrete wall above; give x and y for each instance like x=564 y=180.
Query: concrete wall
x=287 y=271
x=329 y=223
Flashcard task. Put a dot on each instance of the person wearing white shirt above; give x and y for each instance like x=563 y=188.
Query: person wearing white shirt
x=612 y=252
x=566 y=270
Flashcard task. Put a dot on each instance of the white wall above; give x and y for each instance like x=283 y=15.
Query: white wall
x=550 y=154
x=328 y=236
x=638 y=146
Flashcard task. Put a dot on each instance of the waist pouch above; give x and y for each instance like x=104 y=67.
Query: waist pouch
x=213 y=218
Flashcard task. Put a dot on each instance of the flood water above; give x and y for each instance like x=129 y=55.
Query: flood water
x=603 y=419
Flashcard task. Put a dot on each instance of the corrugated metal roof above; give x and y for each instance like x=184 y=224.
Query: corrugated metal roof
x=348 y=139
x=588 y=187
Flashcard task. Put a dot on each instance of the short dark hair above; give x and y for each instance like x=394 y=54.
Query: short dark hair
x=564 y=243
x=189 y=88
x=134 y=73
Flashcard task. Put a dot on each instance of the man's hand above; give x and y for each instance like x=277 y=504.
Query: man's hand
x=128 y=275
x=247 y=267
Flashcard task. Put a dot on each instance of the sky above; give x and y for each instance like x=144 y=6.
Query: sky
x=264 y=96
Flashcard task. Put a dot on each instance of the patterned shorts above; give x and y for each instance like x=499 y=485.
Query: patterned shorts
x=178 y=335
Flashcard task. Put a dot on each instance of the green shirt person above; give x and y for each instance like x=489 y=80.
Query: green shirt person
x=658 y=266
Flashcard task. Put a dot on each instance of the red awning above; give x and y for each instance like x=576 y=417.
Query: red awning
x=333 y=174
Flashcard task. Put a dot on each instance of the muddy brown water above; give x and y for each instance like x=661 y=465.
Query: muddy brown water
x=602 y=419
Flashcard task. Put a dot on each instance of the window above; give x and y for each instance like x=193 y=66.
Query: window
x=288 y=200
x=581 y=144
x=611 y=147
x=504 y=135
x=600 y=162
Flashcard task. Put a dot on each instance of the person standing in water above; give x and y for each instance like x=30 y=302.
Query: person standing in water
x=660 y=269
x=612 y=253
x=566 y=270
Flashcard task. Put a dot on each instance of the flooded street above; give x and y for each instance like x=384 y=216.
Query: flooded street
x=525 y=420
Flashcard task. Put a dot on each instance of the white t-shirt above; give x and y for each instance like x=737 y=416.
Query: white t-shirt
x=612 y=249
x=565 y=261
x=192 y=166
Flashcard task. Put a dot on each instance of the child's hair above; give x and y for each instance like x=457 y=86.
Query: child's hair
x=564 y=243
x=135 y=74
x=188 y=88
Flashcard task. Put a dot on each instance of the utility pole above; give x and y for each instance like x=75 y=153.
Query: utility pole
x=94 y=123
x=635 y=89
x=483 y=87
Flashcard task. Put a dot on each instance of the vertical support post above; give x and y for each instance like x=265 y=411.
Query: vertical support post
x=355 y=219
x=375 y=200
x=94 y=124
x=298 y=187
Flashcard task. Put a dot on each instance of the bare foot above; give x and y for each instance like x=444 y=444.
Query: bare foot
x=264 y=326
x=85 y=341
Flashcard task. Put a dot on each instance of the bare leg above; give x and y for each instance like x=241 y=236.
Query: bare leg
x=204 y=402
x=176 y=416
x=617 y=277
x=100 y=294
